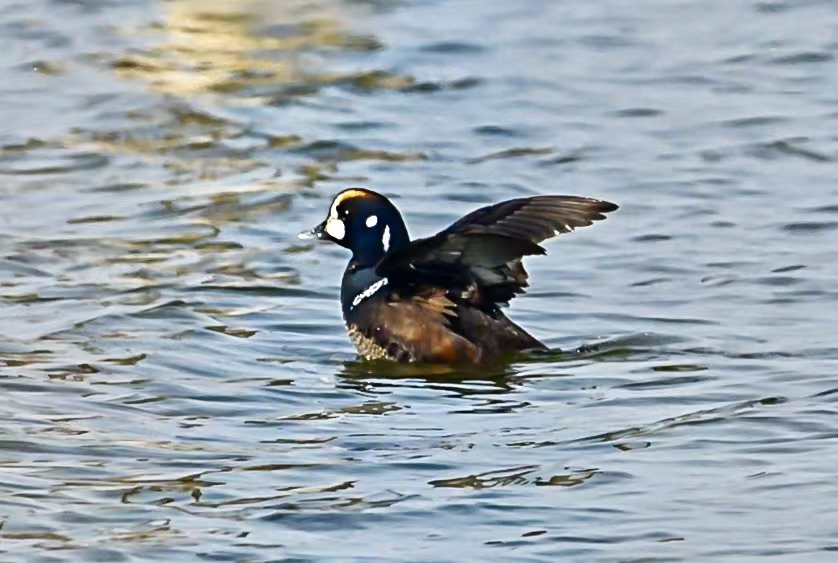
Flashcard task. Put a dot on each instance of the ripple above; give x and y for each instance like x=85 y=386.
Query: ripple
x=806 y=227
x=771 y=150
x=496 y=131
x=453 y=48
x=176 y=379
x=791 y=268
x=652 y=237
x=802 y=58
x=639 y=112
x=756 y=121
x=342 y=152
x=49 y=161
x=429 y=87
x=512 y=153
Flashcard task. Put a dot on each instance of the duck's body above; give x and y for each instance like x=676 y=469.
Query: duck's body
x=438 y=299
x=430 y=325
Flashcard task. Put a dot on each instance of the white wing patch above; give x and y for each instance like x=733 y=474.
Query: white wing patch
x=368 y=292
x=385 y=238
x=372 y=221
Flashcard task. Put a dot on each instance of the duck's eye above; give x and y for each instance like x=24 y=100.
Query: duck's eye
x=335 y=228
x=372 y=221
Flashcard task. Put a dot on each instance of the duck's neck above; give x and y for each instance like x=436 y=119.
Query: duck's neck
x=360 y=276
x=355 y=282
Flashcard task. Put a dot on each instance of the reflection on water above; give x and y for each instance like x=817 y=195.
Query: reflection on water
x=176 y=381
x=247 y=49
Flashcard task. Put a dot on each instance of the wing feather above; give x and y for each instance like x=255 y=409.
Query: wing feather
x=480 y=254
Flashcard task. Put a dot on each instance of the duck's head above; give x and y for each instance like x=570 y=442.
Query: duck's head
x=363 y=221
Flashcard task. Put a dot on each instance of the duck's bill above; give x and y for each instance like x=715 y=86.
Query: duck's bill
x=315 y=233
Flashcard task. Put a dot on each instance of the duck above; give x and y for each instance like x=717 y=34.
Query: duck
x=440 y=299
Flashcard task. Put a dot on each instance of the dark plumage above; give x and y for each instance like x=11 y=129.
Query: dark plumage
x=438 y=299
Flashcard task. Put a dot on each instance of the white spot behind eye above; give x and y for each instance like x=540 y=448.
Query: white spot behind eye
x=385 y=238
x=335 y=228
x=372 y=221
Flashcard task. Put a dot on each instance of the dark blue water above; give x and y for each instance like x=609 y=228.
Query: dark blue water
x=175 y=382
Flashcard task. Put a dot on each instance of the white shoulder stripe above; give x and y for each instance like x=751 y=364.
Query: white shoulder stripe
x=368 y=292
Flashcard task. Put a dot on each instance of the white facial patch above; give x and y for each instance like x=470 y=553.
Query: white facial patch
x=368 y=292
x=372 y=221
x=385 y=238
x=335 y=228
x=333 y=211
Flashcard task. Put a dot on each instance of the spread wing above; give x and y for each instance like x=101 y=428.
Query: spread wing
x=480 y=254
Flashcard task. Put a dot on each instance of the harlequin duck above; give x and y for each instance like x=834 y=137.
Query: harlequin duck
x=438 y=299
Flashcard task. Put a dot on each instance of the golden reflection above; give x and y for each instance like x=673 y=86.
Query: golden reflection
x=229 y=45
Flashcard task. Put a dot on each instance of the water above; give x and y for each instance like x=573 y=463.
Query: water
x=176 y=383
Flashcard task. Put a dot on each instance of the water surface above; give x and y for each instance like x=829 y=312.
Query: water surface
x=176 y=383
